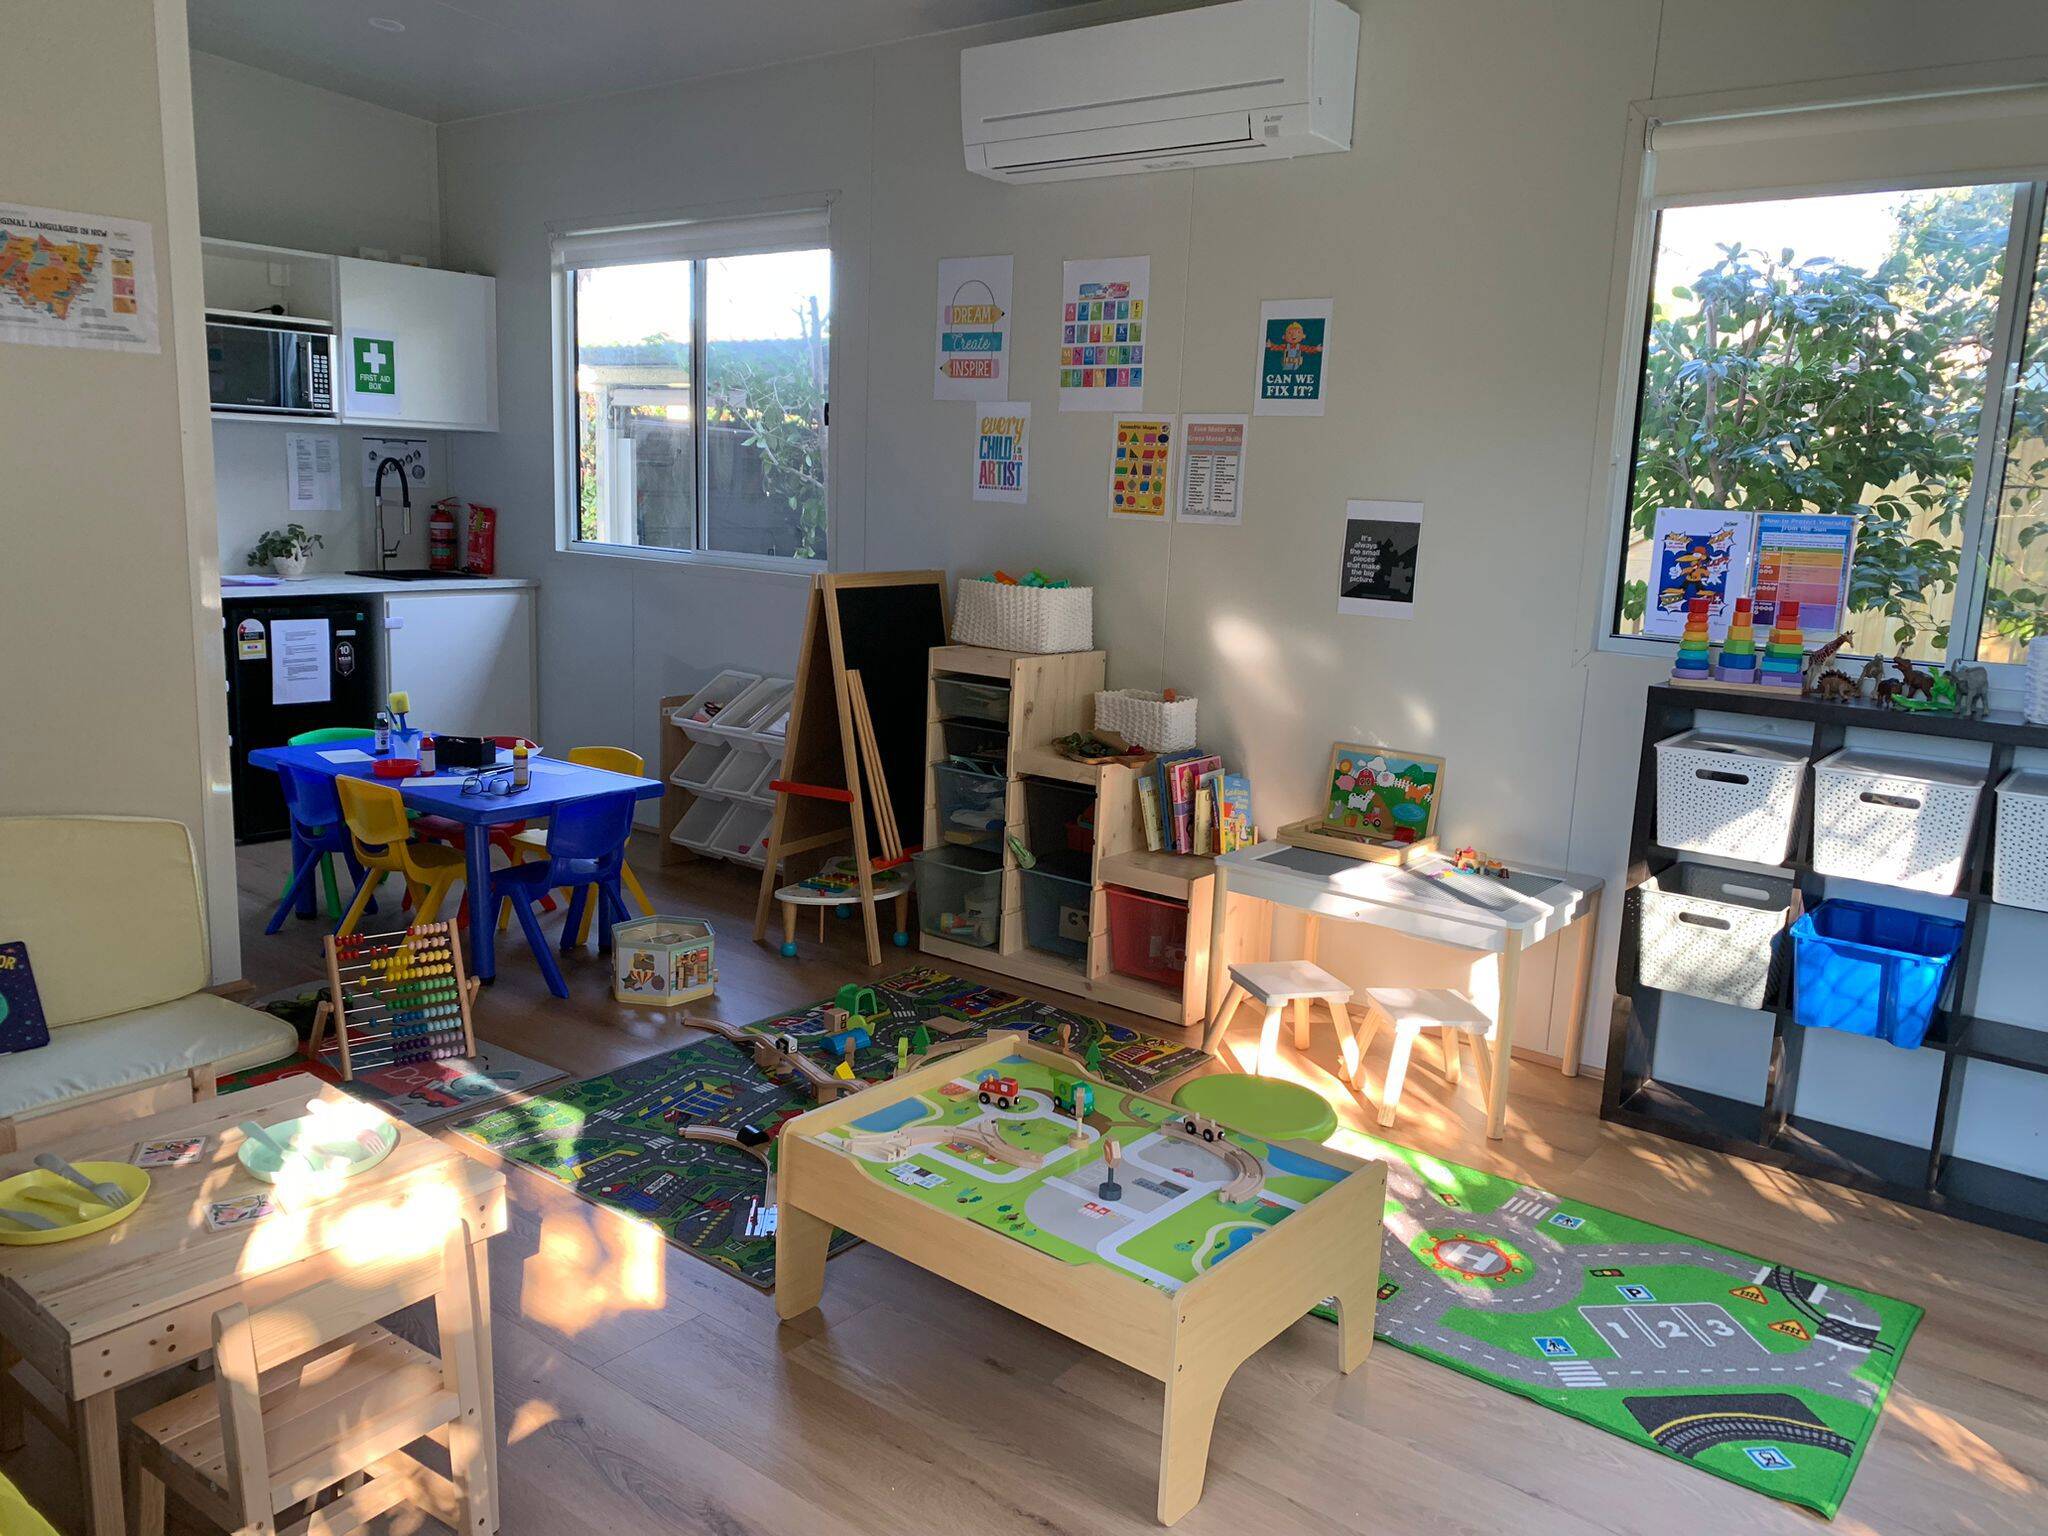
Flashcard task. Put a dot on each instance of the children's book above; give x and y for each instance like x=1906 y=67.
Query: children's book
x=1205 y=798
x=1148 y=808
x=1187 y=778
x=1171 y=802
x=1234 y=825
x=1208 y=837
x=22 y=1025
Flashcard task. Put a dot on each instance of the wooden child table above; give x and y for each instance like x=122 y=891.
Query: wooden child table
x=98 y=1312
x=1214 y=1247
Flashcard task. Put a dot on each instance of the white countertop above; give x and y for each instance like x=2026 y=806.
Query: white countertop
x=338 y=585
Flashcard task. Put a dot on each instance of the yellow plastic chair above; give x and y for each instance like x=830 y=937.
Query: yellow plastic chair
x=611 y=760
x=375 y=814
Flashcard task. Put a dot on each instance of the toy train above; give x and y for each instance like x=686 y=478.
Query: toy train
x=1000 y=1091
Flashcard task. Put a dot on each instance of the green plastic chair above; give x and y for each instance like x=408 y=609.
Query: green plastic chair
x=321 y=737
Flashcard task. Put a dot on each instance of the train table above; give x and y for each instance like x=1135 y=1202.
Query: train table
x=983 y=1168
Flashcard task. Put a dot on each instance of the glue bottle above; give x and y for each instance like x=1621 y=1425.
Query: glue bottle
x=383 y=734
x=426 y=755
x=522 y=775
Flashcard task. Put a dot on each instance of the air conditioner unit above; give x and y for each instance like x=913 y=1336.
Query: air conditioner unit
x=1251 y=80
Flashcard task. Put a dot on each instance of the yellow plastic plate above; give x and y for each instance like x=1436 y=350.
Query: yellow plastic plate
x=133 y=1182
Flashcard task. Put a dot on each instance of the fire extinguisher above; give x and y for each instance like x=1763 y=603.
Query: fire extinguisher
x=441 y=535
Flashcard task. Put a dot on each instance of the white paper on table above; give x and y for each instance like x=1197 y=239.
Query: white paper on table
x=347 y=755
x=312 y=462
x=427 y=781
x=299 y=669
x=547 y=768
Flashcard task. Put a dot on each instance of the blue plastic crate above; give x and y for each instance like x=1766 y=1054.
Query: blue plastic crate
x=1871 y=970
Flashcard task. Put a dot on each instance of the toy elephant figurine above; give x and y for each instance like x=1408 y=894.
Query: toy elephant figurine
x=1973 y=690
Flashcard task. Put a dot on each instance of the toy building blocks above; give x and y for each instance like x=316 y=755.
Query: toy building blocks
x=1695 y=659
x=1737 y=663
x=1784 y=663
x=846 y=1041
x=857 y=999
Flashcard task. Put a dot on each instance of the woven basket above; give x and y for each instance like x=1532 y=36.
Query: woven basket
x=1149 y=720
x=1040 y=620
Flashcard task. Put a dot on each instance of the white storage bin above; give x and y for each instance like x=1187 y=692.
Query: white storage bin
x=2019 y=866
x=1731 y=796
x=765 y=703
x=698 y=715
x=1148 y=720
x=738 y=772
x=1712 y=933
x=694 y=830
x=700 y=764
x=743 y=835
x=1040 y=620
x=1893 y=820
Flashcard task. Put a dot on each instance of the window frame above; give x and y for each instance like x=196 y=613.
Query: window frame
x=1630 y=312
x=562 y=288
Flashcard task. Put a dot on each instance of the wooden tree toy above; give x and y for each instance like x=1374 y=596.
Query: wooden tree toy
x=1092 y=1057
x=902 y=1054
x=1784 y=664
x=1695 y=652
x=1083 y=1106
x=920 y=1041
x=1738 y=652
x=395 y=998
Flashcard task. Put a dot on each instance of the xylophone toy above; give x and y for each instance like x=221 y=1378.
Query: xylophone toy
x=395 y=998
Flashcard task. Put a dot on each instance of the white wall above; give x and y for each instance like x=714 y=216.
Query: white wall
x=1468 y=241
x=107 y=618
x=281 y=163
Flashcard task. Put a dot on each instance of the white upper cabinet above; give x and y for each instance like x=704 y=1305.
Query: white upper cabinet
x=419 y=347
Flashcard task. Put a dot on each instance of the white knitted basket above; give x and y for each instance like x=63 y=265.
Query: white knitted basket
x=1148 y=720
x=1040 y=620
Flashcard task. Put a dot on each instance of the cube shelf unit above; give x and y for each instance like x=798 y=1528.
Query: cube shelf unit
x=716 y=802
x=1050 y=696
x=1926 y=1174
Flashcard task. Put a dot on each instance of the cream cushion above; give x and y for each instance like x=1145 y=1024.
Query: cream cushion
x=110 y=909
x=133 y=1048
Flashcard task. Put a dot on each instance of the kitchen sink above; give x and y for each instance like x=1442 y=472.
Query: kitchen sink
x=417 y=573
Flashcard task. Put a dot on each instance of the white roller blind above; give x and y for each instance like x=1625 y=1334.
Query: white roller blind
x=691 y=240
x=1982 y=136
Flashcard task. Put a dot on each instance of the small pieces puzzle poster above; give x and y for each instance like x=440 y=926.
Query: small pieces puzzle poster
x=1102 y=333
x=1141 y=467
x=1293 y=363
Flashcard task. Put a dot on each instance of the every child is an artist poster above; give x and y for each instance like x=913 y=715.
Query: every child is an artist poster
x=1002 y=451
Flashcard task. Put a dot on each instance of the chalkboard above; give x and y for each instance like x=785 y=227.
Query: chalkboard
x=885 y=627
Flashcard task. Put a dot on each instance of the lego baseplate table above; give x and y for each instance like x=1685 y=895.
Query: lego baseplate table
x=1207 y=1245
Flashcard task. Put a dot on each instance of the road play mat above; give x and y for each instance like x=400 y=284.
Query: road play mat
x=673 y=1139
x=1753 y=1371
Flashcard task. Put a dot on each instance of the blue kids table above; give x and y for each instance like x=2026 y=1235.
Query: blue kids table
x=555 y=784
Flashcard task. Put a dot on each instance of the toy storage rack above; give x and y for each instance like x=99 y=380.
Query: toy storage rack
x=1050 y=696
x=711 y=761
x=1927 y=1174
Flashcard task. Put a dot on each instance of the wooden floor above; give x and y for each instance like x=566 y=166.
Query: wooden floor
x=641 y=1391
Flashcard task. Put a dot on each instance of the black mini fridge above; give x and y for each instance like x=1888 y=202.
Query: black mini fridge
x=294 y=664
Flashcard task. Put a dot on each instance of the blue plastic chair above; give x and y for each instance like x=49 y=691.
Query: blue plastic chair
x=586 y=847
x=318 y=832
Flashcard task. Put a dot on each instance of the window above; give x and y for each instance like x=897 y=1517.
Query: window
x=1878 y=353
x=698 y=357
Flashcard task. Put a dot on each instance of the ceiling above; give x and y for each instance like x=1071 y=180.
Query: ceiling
x=466 y=58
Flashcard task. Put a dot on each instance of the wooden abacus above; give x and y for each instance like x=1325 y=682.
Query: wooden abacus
x=395 y=998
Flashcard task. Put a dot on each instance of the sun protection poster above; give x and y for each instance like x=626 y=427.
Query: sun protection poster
x=973 y=352
x=1382 y=542
x=1141 y=467
x=1211 y=469
x=1002 y=451
x=1805 y=556
x=1696 y=552
x=1102 y=333
x=1294 y=357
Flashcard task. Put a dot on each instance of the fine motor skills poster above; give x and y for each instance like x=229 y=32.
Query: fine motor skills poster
x=1381 y=792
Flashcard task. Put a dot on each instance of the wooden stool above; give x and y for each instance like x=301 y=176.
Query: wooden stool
x=1409 y=1011
x=1276 y=983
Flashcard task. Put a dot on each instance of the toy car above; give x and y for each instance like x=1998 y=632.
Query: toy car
x=1202 y=1126
x=999 y=1091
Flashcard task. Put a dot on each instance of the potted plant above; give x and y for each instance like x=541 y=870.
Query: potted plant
x=284 y=550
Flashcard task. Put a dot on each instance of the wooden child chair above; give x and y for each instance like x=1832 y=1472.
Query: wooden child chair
x=611 y=760
x=310 y=1392
x=1408 y=1011
x=1274 y=984
x=375 y=814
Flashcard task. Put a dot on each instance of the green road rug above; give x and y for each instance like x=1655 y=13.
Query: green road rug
x=613 y=1138
x=1753 y=1371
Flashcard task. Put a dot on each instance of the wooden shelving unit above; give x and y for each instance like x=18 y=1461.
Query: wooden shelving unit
x=1049 y=697
x=1927 y=1174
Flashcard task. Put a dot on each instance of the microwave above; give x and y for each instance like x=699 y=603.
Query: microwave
x=275 y=370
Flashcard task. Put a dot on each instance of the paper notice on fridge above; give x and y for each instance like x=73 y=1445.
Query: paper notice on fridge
x=312 y=463
x=1211 y=469
x=299 y=673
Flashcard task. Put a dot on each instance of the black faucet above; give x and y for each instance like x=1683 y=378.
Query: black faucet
x=387 y=552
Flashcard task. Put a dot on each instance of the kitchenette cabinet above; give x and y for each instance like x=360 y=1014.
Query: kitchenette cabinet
x=428 y=337
x=465 y=657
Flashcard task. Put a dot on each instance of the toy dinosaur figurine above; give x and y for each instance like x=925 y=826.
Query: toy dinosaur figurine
x=1913 y=683
x=1870 y=680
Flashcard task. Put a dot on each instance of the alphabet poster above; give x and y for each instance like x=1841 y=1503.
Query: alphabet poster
x=973 y=351
x=1294 y=357
x=1102 y=333
x=1002 y=458
x=1141 y=467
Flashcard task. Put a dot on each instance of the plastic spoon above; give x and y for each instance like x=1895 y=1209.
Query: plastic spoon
x=32 y=1222
x=111 y=1194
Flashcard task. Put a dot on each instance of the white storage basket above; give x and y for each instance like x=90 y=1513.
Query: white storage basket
x=1148 y=720
x=1712 y=933
x=1040 y=620
x=1731 y=796
x=2019 y=868
x=1893 y=820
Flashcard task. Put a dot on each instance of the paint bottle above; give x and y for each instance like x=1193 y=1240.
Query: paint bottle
x=426 y=754
x=383 y=734
x=522 y=773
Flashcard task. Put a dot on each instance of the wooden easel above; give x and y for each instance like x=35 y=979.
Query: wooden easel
x=837 y=777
